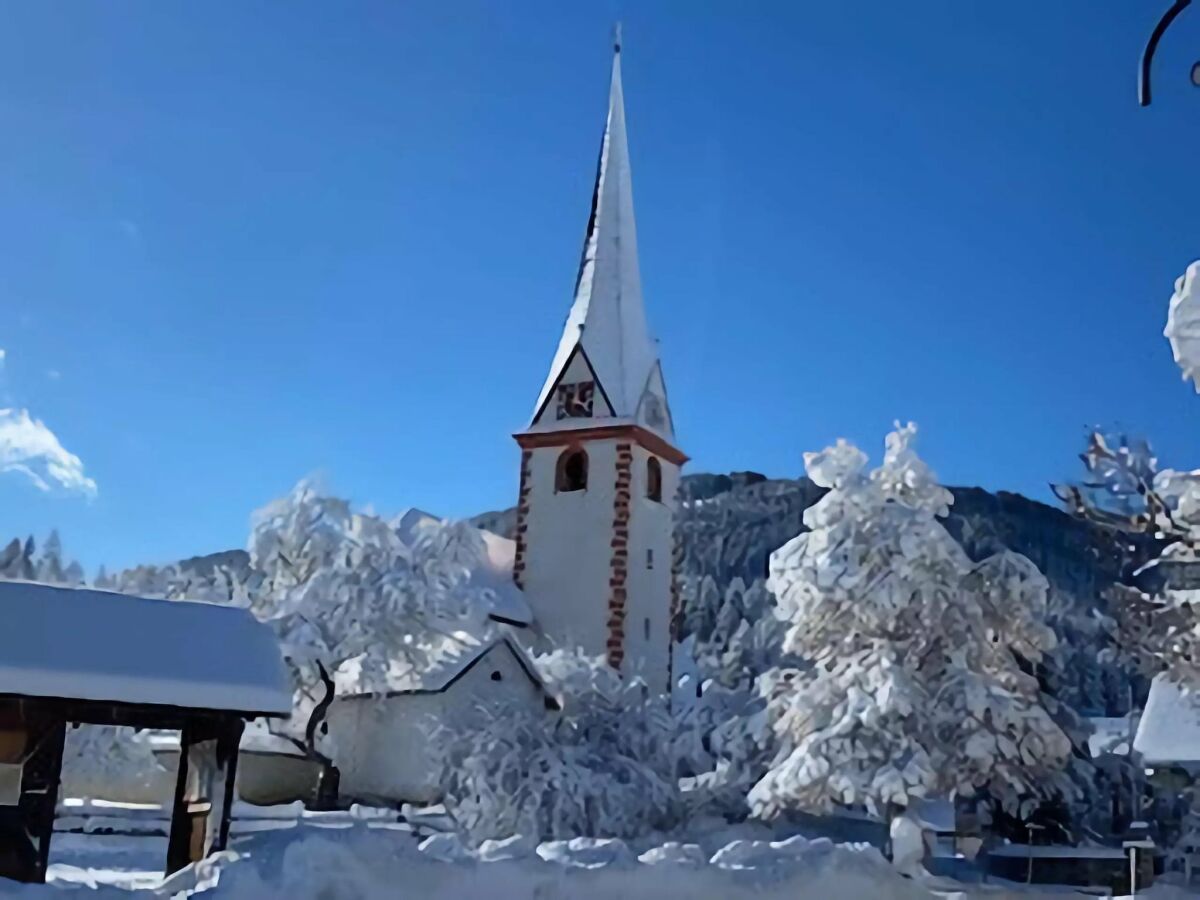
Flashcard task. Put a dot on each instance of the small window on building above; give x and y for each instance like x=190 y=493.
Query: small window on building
x=496 y=676
x=572 y=471
x=646 y=628
x=649 y=557
x=654 y=479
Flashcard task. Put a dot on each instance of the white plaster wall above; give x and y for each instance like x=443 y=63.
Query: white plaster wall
x=569 y=548
x=651 y=528
x=386 y=748
x=569 y=556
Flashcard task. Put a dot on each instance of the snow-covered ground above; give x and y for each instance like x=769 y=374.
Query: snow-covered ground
x=367 y=854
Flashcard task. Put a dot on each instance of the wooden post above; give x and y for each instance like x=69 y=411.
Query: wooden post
x=227 y=758
x=31 y=746
x=43 y=775
x=193 y=830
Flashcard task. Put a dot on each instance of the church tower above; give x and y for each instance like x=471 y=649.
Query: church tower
x=599 y=461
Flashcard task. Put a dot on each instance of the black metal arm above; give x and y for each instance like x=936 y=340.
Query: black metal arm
x=1148 y=54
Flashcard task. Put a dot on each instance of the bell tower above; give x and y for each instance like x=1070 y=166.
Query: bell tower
x=600 y=466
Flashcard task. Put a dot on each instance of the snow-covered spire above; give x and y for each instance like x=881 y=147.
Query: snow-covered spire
x=607 y=321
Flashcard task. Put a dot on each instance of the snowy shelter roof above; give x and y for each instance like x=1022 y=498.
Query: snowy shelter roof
x=607 y=321
x=1169 y=730
x=80 y=644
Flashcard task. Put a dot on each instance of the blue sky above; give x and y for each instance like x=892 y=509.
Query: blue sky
x=243 y=242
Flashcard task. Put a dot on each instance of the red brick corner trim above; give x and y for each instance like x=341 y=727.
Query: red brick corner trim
x=619 y=565
x=522 y=521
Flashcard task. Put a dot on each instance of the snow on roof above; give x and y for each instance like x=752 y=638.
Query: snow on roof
x=608 y=319
x=97 y=645
x=1110 y=736
x=452 y=660
x=409 y=522
x=1169 y=730
x=509 y=604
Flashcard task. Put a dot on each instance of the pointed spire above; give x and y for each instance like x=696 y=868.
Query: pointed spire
x=608 y=320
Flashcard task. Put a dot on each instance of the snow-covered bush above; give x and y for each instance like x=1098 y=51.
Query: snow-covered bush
x=112 y=763
x=607 y=765
x=343 y=587
x=919 y=682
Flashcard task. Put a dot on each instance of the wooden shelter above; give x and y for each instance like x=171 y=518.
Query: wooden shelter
x=75 y=656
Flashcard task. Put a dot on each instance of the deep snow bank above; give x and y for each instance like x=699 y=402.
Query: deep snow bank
x=367 y=855
x=362 y=864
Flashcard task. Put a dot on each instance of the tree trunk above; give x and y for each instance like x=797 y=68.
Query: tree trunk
x=329 y=779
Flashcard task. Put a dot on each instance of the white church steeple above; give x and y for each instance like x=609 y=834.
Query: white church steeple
x=595 y=550
x=607 y=321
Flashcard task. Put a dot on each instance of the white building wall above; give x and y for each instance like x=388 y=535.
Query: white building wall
x=569 y=548
x=648 y=603
x=386 y=748
x=569 y=556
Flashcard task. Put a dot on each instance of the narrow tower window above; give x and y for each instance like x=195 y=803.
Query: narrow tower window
x=572 y=471
x=654 y=479
x=649 y=557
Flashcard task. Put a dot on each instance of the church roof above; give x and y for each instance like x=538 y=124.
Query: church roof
x=607 y=321
x=454 y=658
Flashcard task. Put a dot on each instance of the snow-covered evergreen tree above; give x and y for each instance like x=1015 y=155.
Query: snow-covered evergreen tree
x=49 y=566
x=16 y=562
x=918 y=682
x=735 y=637
x=22 y=562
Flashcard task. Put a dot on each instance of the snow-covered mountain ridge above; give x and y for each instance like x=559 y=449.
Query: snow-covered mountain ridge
x=730 y=524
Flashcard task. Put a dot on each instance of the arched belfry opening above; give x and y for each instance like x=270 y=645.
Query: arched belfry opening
x=572 y=470
x=654 y=479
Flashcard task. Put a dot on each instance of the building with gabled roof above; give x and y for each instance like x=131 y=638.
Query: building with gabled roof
x=386 y=742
